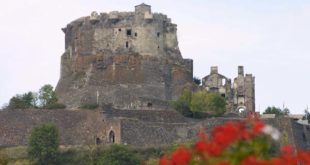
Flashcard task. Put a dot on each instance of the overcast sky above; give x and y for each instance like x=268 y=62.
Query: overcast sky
x=270 y=38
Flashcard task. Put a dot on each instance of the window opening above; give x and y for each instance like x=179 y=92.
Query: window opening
x=98 y=141
x=128 y=32
x=136 y=34
x=149 y=104
x=119 y=30
x=158 y=34
x=127 y=44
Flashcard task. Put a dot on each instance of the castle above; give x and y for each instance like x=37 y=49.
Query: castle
x=132 y=61
x=128 y=59
x=130 y=65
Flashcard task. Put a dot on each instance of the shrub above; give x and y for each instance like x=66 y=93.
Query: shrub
x=89 y=106
x=118 y=155
x=43 y=144
x=56 y=106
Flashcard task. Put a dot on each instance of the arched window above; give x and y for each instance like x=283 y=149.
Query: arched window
x=112 y=137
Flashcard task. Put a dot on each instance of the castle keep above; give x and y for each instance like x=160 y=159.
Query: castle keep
x=128 y=59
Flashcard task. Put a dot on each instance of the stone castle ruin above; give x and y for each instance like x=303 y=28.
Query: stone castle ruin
x=240 y=96
x=128 y=59
x=131 y=60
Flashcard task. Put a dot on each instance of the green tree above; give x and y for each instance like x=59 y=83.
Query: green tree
x=182 y=105
x=43 y=144
x=276 y=111
x=216 y=103
x=23 y=101
x=118 y=155
x=199 y=102
x=47 y=95
x=197 y=80
x=191 y=104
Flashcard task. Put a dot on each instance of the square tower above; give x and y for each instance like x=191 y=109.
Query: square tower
x=143 y=8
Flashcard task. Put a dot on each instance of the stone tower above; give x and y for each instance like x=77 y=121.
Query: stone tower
x=244 y=91
x=128 y=59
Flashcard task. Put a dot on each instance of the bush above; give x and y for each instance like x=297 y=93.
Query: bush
x=43 y=144
x=56 y=106
x=89 y=106
x=118 y=155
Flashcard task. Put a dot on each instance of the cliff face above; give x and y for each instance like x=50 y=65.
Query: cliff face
x=128 y=59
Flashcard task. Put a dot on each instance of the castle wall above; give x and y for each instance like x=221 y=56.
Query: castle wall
x=133 y=127
x=75 y=127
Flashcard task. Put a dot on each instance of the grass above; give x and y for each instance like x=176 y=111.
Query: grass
x=80 y=155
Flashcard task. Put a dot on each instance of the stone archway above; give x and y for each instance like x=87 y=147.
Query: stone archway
x=111 y=137
x=241 y=109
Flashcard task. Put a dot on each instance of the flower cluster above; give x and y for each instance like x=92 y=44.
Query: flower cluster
x=237 y=142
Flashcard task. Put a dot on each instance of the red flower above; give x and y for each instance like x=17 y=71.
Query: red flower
x=258 y=127
x=164 y=161
x=201 y=147
x=181 y=157
x=287 y=150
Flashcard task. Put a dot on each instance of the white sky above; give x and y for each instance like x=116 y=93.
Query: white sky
x=269 y=37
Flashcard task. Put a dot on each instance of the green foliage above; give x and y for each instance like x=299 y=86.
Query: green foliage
x=276 y=111
x=89 y=106
x=4 y=160
x=216 y=103
x=56 y=106
x=196 y=80
x=194 y=104
x=43 y=144
x=23 y=101
x=118 y=155
x=199 y=102
x=47 y=95
x=182 y=105
x=45 y=98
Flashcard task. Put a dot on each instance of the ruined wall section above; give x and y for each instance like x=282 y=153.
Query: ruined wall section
x=239 y=96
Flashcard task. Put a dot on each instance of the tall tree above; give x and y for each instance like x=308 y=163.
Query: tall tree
x=47 y=95
x=23 y=101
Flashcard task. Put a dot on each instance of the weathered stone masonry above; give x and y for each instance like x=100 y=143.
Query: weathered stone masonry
x=239 y=95
x=128 y=59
